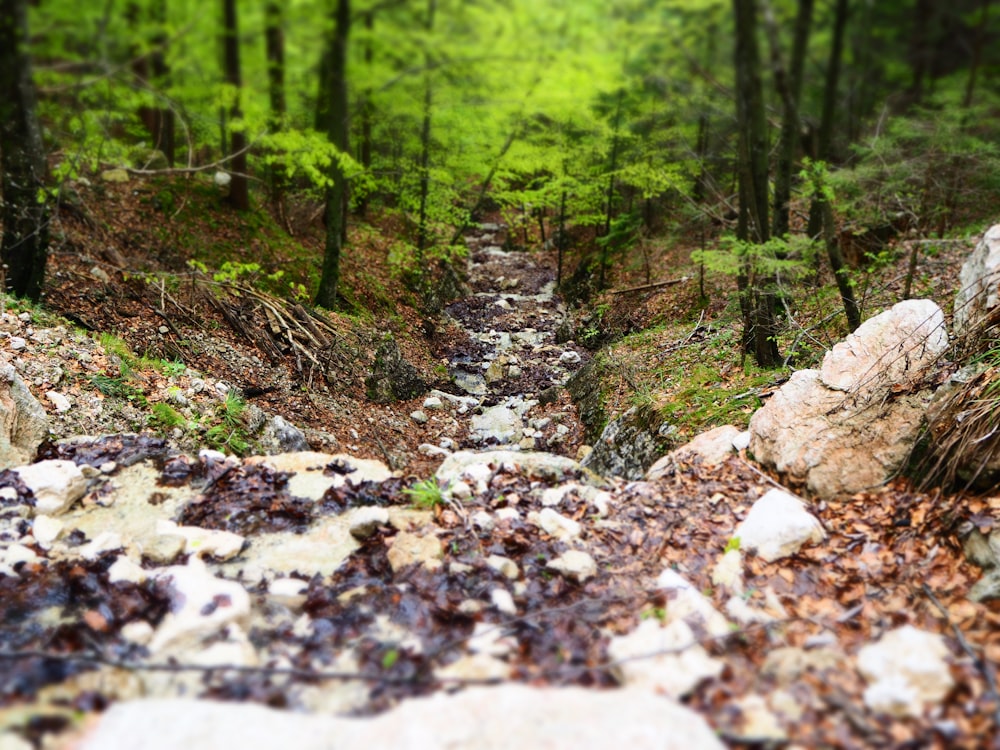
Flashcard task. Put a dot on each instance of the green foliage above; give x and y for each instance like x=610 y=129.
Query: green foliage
x=164 y=418
x=229 y=431
x=425 y=494
x=733 y=545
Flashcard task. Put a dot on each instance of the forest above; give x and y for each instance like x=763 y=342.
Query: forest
x=398 y=316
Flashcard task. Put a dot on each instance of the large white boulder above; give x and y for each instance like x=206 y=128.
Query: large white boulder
x=777 y=526
x=979 y=283
x=508 y=717
x=850 y=426
x=906 y=669
x=56 y=485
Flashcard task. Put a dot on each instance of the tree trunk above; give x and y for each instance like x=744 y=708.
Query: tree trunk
x=274 y=39
x=789 y=85
x=25 y=210
x=423 y=238
x=757 y=297
x=336 y=115
x=977 y=53
x=239 y=188
x=824 y=143
x=612 y=168
x=367 y=111
x=152 y=72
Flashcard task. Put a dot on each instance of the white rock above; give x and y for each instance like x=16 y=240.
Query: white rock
x=46 y=530
x=553 y=496
x=712 y=447
x=508 y=514
x=906 y=669
x=216 y=543
x=17 y=553
x=504 y=566
x=409 y=549
x=307 y=468
x=17 y=343
x=482 y=520
x=430 y=450
x=56 y=484
x=200 y=605
x=575 y=565
x=367 y=520
x=106 y=541
x=433 y=403
x=558 y=526
x=291 y=592
x=505 y=717
x=893 y=348
x=476 y=466
x=125 y=570
x=664 y=660
x=569 y=358
x=459 y=490
x=742 y=441
x=778 y=525
x=688 y=604
x=137 y=631
x=419 y=417
x=728 y=571
x=503 y=601
x=490 y=640
x=979 y=282
x=757 y=724
x=59 y=401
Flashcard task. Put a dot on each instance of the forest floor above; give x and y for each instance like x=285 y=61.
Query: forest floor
x=890 y=558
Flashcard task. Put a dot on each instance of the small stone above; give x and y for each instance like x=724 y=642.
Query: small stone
x=409 y=549
x=777 y=526
x=115 y=175
x=419 y=417
x=503 y=601
x=100 y=274
x=558 y=526
x=56 y=484
x=163 y=549
x=569 y=358
x=218 y=544
x=906 y=669
x=433 y=403
x=367 y=520
x=291 y=592
x=108 y=467
x=106 y=541
x=137 y=631
x=508 y=514
x=665 y=660
x=124 y=570
x=17 y=343
x=17 y=553
x=482 y=520
x=504 y=565
x=473 y=667
x=46 y=530
x=427 y=449
x=59 y=402
x=575 y=565
x=459 y=490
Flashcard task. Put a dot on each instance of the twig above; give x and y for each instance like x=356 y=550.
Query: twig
x=655 y=285
x=979 y=662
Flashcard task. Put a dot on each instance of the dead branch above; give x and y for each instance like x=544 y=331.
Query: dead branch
x=655 y=285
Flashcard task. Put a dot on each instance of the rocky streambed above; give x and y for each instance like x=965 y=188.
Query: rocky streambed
x=152 y=599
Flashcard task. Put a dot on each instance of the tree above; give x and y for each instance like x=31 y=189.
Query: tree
x=332 y=110
x=239 y=190
x=25 y=212
x=757 y=297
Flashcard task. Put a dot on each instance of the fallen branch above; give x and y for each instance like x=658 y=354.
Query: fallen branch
x=655 y=285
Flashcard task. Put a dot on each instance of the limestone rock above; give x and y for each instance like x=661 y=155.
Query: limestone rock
x=712 y=447
x=200 y=605
x=310 y=477
x=23 y=425
x=576 y=565
x=850 y=426
x=688 y=604
x=480 y=467
x=410 y=549
x=906 y=669
x=393 y=378
x=280 y=436
x=367 y=520
x=979 y=283
x=895 y=348
x=56 y=484
x=558 y=526
x=777 y=526
x=215 y=543
x=630 y=444
x=474 y=719
x=666 y=660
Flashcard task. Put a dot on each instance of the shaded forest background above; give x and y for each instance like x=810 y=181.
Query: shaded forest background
x=767 y=135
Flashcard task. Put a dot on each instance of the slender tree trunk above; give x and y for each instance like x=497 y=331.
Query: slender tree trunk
x=336 y=116
x=423 y=231
x=274 y=40
x=25 y=208
x=367 y=111
x=561 y=237
x=610 y=198
x=789 y=85
x=239 y=188
x=757 y=297
x=840 y=270
x=152 y=71
x=977 y=53
x=921 y=46
x=824 y=144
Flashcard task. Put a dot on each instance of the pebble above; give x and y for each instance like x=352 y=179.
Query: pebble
x=576 y=565
x=504 y=565
x=419 y=417
x=503 y=601
x=366 y=521
x=59 y=401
